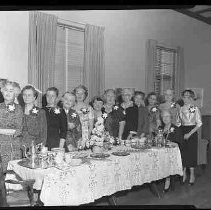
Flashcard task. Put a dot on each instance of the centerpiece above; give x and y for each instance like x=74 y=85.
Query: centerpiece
x=100 y=139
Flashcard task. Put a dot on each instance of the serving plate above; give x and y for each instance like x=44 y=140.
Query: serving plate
x=120 y=153
x=80 y=155
x=99 y=155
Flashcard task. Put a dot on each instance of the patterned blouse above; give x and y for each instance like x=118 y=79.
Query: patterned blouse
x=189 y=115
x=35 y=126
x=73 y=135
x=11 y=117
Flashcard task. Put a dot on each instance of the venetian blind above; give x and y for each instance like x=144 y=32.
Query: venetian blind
x=69 y=59
x=164 y=76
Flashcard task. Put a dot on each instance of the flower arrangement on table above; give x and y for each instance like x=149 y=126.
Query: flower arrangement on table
x=99 y=136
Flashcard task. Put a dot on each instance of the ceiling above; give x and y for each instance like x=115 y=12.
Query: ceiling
x=199 y=12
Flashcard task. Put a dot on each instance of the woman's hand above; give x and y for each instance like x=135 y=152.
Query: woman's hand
x=71 y=126
x=187 y=136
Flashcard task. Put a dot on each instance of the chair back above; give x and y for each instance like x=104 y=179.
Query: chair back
x=3 y=195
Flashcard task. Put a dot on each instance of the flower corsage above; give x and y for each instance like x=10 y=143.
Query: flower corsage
x=11 y=107
x=192 y=109
x=84 y=110
x=34 y=111
x=154 y=109
x=116 y=107
x=57 y=110
x=73 y=115
x=173 y=105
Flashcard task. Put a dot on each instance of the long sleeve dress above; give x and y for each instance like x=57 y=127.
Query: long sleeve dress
x=56 y=126
x=189 y=116
x=131 y=120
x=34 y=127
x=73 y=135
x=113 y=119
x=10 y=119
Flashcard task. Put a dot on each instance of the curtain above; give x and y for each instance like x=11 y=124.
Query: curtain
x=94 y=67
x=41 y=52
x=150 y=65
x=180 y=72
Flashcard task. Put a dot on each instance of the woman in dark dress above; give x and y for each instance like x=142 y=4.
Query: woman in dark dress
x=56 y=120
x=115 y=121
x=172 y=133
x=189 y=118
x=131 y=114
x=34 y=120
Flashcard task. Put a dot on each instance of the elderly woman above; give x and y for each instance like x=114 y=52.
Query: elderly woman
x=153 y=112
x=74 y=132
x=85 y=112
x=131 y=114
x=34 y=121
x=143 y=121
x=11 y=122
x=56 y=120
x=172 y=133
x=189 y=118
x=170 y=104
x=115 y=121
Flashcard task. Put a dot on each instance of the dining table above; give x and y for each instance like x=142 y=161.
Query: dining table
x=96 y=177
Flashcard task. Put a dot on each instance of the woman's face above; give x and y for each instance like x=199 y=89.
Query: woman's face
x=28 y=96
x=68 y=101
x=51 y=97
x=138 y=99
x=80 y=94
x=152 y=100
x=110 y=98
x=126 y=96
x=97 y=105
x=187 y=98
x=8 y=92
x=166 y=117
x=168 y=95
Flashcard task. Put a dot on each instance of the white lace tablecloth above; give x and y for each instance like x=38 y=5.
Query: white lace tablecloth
x=88 y=182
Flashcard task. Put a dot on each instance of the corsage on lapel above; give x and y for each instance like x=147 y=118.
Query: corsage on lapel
x=34 y=111
x=11 y=107
x=57 y=110
x=154 y=109
x=116 y=107
x=192 y=109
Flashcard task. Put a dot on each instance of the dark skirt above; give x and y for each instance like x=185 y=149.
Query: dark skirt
x=189 y=147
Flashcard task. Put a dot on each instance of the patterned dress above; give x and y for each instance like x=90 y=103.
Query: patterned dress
x=154 y=119
x=10 y=119
x=85 y=114
x=189 y=116
x=56 y=126
x=74 y=134
x=34 y=127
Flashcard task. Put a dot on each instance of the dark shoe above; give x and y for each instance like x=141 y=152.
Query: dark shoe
x=191 y=183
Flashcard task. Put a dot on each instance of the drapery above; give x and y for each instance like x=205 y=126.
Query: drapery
x=150 y=65
x=94 y=67
x=41 y=51
x=151 y=60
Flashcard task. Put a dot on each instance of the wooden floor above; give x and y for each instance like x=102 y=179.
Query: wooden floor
x=198 y=195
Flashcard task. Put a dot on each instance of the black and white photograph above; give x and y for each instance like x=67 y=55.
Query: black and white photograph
x=105 y=107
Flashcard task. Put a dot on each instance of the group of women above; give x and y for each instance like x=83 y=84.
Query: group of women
x=67 y=122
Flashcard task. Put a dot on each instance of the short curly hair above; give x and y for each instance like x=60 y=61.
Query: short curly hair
x=81 y=87
x=30 y=87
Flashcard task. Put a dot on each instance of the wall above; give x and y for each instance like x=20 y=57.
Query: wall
x=14 y=46
x=126 y=33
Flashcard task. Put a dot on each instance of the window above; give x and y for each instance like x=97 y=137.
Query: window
x=69 y=58
x=165 y=69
